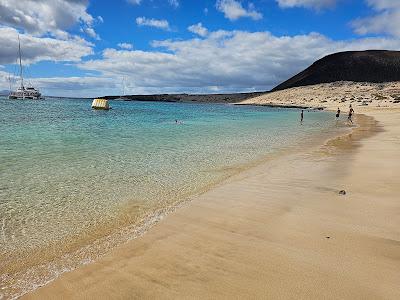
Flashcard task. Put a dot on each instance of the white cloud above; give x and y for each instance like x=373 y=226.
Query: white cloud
x=36 y=49
x=90 y=32
x=384 y=4
x=65 y=86
x=126 y=46
x=161 y=24
x=42 y=17
x=315 y=4
x=224 y=60
x=71 y=85
x=198 y=29
x=174 y=3
x=233 y=10
x=386 y=20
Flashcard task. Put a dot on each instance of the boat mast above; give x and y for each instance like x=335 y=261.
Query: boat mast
x=20 y=68
x=123 y=86
x=9 y=82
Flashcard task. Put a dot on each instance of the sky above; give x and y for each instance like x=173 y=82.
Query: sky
x=89 y=48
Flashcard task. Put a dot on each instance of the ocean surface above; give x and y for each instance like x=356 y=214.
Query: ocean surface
x=74 y=182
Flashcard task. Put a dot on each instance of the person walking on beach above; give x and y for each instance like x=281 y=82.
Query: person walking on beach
x=301 y=117
x=350 y=117
x=351 y=113
x=351 y=109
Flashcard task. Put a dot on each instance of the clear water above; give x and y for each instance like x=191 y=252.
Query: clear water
x=76 y=182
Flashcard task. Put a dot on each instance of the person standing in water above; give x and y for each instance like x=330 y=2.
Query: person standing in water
x=338 y=114
x=301 y=117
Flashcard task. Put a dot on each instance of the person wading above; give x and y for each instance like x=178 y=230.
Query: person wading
x=301 y=117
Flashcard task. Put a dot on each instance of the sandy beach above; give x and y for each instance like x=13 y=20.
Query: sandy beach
x=280 y=230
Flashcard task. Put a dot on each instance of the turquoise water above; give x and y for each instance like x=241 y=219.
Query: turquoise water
x=76 y=182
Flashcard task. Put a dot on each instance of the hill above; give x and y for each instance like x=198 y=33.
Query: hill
x=376 y=66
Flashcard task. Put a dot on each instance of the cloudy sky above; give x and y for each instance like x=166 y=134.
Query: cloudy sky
x=92 y=48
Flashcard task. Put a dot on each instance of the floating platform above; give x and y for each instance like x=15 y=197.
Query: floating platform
x=101 y=104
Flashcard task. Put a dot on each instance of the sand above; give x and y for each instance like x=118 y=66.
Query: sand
x=334 y=95
x=278 y=231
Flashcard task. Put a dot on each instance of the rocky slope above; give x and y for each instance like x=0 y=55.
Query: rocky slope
x=377 y=66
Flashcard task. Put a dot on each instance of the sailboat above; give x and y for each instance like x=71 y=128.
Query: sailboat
x=123 y=97
x=23 y=92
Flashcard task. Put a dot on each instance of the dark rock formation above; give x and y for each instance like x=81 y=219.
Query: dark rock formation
x=200 y=98
x=376 y=66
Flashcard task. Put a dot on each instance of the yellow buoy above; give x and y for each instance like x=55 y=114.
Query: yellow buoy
x=100 y=104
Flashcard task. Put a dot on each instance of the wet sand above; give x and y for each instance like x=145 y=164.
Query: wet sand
x=278 y=231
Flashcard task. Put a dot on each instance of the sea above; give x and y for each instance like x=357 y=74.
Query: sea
x=76 y=183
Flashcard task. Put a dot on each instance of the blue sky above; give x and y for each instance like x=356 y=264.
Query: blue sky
x=88 y=48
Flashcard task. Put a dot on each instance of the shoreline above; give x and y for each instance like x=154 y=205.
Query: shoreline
x=276 y=105
x=66 y=281
x=42 y=274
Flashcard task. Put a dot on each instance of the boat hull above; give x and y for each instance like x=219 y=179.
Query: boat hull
x=25 y=95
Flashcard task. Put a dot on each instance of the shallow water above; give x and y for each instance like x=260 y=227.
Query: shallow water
x=74 y=182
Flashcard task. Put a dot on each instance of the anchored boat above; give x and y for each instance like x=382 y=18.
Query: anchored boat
x=24 y=92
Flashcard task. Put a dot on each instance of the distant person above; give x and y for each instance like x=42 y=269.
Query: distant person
x=350 y=117
x=338 y=114
x=351 y=109
x=302 y=117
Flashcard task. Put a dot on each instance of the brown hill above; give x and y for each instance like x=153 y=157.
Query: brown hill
x=375 y=66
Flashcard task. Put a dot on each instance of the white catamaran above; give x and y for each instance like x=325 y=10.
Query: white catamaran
x=23 y=92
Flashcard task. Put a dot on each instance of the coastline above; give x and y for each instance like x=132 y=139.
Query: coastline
x=14 y=284
x=214 y=245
